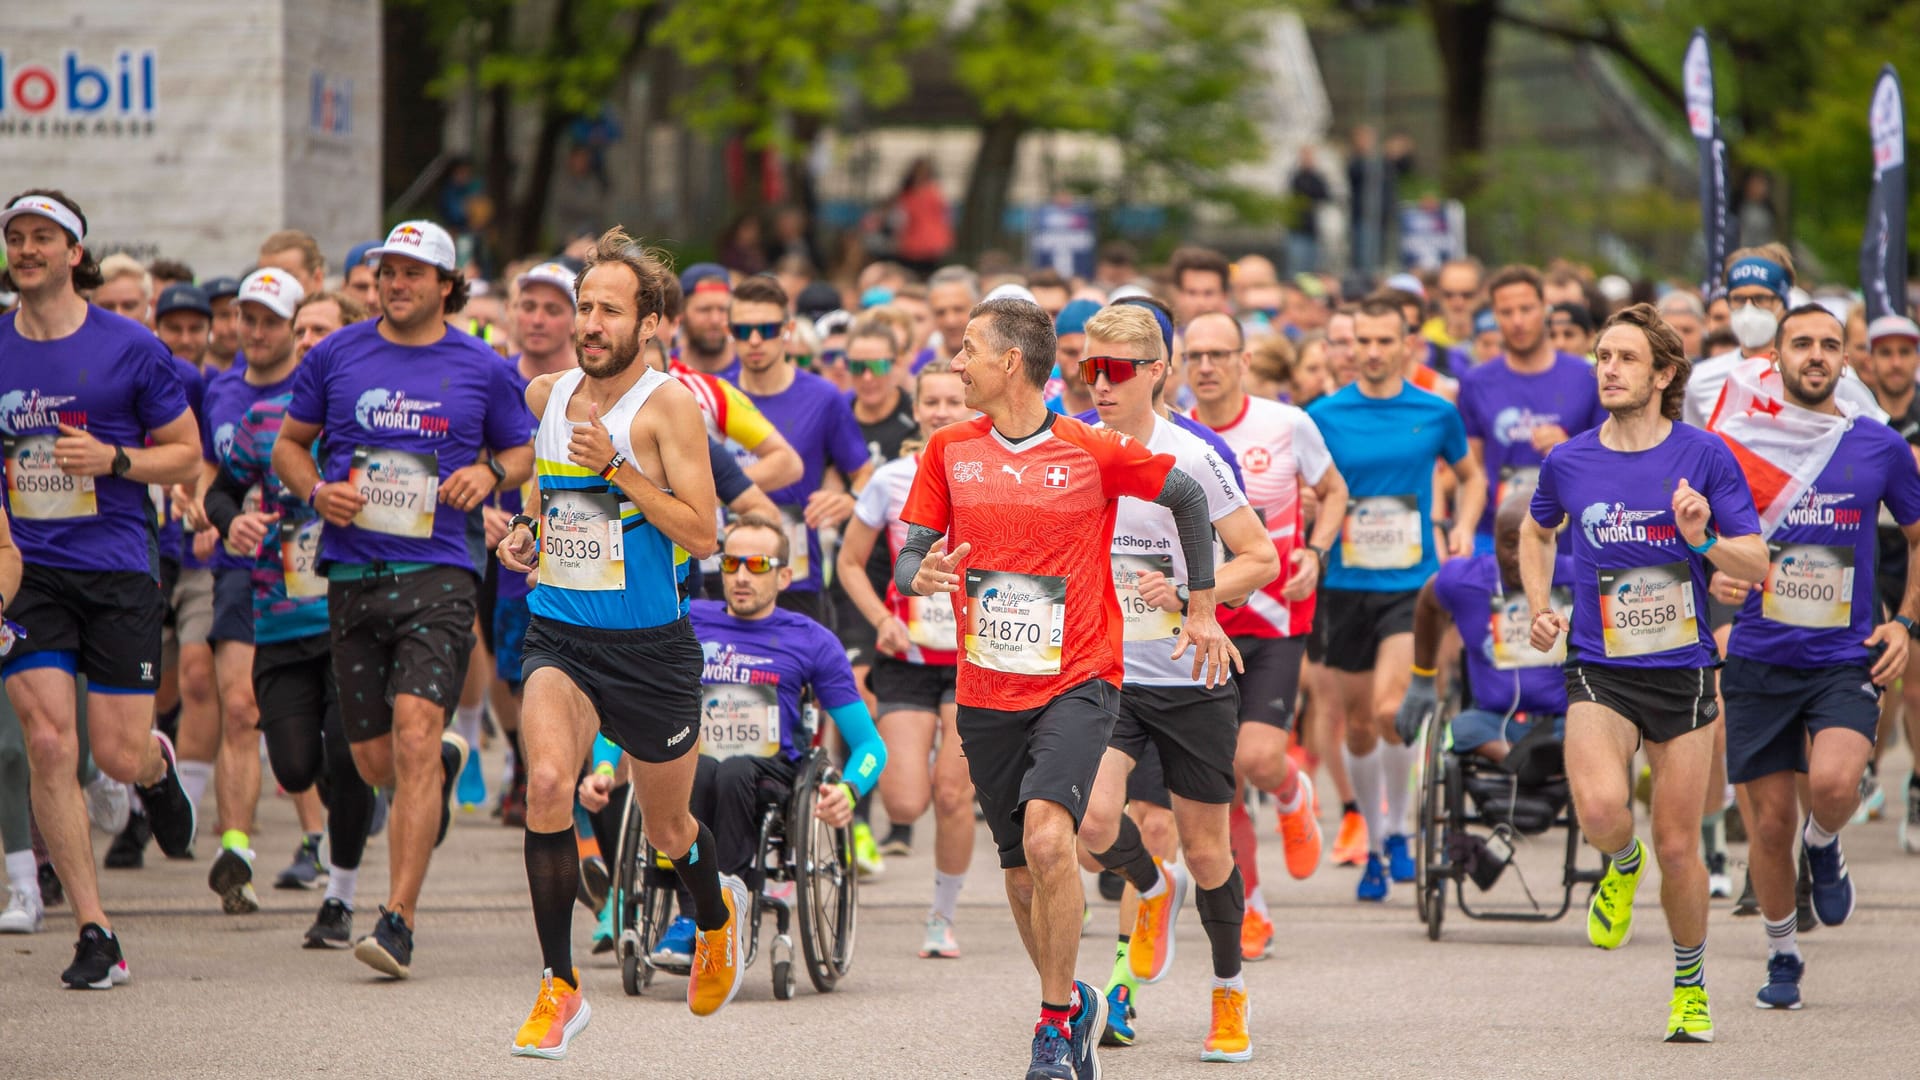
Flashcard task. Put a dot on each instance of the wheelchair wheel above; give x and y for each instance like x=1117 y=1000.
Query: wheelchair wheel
x=1430 y=841
x=627 y=885
x=825 y=885
x=784 y=983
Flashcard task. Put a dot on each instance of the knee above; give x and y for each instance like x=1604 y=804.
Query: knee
x=51 y=751
x=241 y=712
x=1676 y=850
x=1209 y=859
x=548 y=785
x=416 y=750
x=952 y=796
x=672 y=834
x=1048 y=836
x=1100 y=828
x=1831 y=789
x=1774 y=829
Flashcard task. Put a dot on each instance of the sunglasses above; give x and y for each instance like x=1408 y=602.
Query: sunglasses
x=804 y=360
x=1117 y=369
x=862 y=367
x=832 y=357
x=744 y=331
x=755 y=564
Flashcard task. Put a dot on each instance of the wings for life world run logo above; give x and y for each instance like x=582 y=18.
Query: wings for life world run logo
x=40 y=96
x=1815 y=508
x=1515 y=424
x=723 y=663
x=28 y=411
x=393 y=410
x=999 y=601
x=1605 y=523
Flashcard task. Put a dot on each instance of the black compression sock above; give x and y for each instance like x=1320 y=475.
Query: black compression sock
x=1222 y=910
x=1128 y=857
x=553 y=876
x=699 y=871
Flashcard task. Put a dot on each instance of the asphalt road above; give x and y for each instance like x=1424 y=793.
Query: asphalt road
x=1352 y=990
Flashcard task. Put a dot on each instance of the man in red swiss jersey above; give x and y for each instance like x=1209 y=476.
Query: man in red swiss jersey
x=1028 y=498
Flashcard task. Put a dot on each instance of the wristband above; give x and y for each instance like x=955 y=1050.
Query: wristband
x=852 y=795
x=315 y=494
x=605 y=769
x=613 y=466
x=519 y=520
x=1712 y=539
x=1425 y=673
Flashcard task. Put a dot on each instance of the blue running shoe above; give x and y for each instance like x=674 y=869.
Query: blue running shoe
x=1086 y=1030
x=676 y=945
x=1120 y=1014
x=1783 y=982
x=603 y=931
x=1052 y=1055
x=1832 y=888
x=1373 y=880
x=1399 y=859
x=472 y=790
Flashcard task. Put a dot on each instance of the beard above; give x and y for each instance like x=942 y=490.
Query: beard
x=1811 y=398
x=1637 y=403
x=620 y=355
x=712 y=344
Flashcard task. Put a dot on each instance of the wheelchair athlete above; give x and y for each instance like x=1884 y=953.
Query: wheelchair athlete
x=1514 y=686
x=758 y=658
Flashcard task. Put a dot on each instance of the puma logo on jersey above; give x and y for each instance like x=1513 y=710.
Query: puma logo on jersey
x=1016 y=474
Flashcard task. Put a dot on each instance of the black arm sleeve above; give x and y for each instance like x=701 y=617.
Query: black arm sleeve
x=224 y=499
x=1184 y=496
x=920 y=540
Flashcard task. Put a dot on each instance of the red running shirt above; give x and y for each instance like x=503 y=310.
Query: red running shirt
x=1036 y=609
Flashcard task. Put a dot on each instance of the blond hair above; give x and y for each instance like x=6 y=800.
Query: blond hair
x=119 y=265
x=1129 y=325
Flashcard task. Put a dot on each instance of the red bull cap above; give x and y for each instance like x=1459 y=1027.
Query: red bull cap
x=422 y=241
x=272 y=289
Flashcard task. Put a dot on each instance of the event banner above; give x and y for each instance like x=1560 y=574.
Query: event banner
x=1883 y=250
x=1715 y=232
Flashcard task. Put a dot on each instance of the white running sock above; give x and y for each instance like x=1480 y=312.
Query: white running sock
x=1238 y=982
x=1399 y=770
x=23 y=873
x=194 y=777
x=1815 y=836
x=946 y=893
x=1781 y=937
x=1288 y=806
x=340 y=882
x=466 y=724
x=1366 y=773
x=1257 y=901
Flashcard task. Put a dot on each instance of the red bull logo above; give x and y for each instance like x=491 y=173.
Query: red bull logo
x=268 y=284
x=407 y=234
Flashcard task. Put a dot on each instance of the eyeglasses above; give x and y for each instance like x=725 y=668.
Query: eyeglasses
x=877 y=367
x=755 y=564
x=1459 y=294
x=1214 y=357
x=832 y=357
x=744 y=331
x=1117 y=369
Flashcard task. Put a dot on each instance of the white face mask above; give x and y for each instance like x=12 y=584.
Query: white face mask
x=1753 y=326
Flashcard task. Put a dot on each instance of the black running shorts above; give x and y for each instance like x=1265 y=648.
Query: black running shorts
x=1053 y=753
x=1271 y=684
x=1664 y=703
x=902 y=687
x=1358 y=621
x=643 y=684
x=103 y=624
x=1195 y=729
x=395 y=634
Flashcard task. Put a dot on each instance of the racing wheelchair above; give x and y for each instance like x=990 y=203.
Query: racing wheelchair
x=802 y=860
x=1472 y=813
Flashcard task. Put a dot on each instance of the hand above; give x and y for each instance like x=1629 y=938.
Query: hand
x=1422 y=698
x=595 y=791
x=1690 y=513
x=338 y=502
x=1460 y=540
x=826 y=508
x=1305 y=577
x=188 y=509
x=495 y=520
x=464 y=489
x=1309 y=505
x=1548 y=436
x=890 y=636
x=834 y=806
x=518 y=549
x=1546 y=630
x=78 y=453
x=1155 y=589
x=1728 y=589
x=247 y=532
x=1212 y=649
x=1894 y=660
x=937 y=573
x=204 y=543
x=591 y=446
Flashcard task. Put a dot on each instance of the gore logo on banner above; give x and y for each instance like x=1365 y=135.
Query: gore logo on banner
x=125 y=86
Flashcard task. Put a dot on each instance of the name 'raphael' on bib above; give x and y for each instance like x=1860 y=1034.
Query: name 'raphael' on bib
x=581 y=540
x=1510 y=636
x=36 y=488
x=401 y=488
x=1015 y=622
x=740 y=718
x=1647 y=609
x=300 y=559
x=1809 y=585
x=1144 y=622
x=1382 y=532
x=931 y=623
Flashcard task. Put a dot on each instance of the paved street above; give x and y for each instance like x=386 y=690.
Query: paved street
x=1352 y=991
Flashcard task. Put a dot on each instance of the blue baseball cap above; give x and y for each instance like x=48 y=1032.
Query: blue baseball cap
x=693 y=277
x=1484 y=322
x=1073 y=318
x=182 y=298
x=357 y=255
x=215 y=288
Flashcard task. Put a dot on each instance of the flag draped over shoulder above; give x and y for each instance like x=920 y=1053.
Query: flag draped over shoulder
x=1782 y=448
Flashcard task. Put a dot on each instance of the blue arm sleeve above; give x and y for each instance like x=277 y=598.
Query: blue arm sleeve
x=866 y=754
x=604 y=753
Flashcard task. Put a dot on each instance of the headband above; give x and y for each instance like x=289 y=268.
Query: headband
x=1766 y=273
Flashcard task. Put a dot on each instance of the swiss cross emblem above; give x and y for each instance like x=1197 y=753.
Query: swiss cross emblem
x=1056 y=476
x=1256 y=459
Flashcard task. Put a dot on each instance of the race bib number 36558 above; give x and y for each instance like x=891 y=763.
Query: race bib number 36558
x=37 y=489
x=1015 y=622
x=401 y=488
x=1647 y=609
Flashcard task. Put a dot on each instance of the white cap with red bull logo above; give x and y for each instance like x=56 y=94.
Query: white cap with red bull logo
x=422 y=241
x=549 y=273
x=52 y=209
x=272 y=289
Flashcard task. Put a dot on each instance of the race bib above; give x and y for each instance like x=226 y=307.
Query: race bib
x=1015 y=622
x=930 y=622
x=36 y=488
x=1382 y=532
x=300 y=559
x=1516 y=480
x=1647 y=609
x=400 y=487
x=1144 y=622
x=1809 y=585
x=581 y=540
x=799 y=555
x=740 y=718
x=1511 y=633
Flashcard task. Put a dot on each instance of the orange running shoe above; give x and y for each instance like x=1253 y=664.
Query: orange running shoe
x=1301 y=833
x=1350 y=847
x=1256 y=936
x=1150 y=951
x=559 y=1013
x=1227 y=1039
x=717 y=967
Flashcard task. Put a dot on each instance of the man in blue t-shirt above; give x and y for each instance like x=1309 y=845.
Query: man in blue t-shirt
x=1810 y=652
x=92 y=413
x=1384 y=435
x=422 y=423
